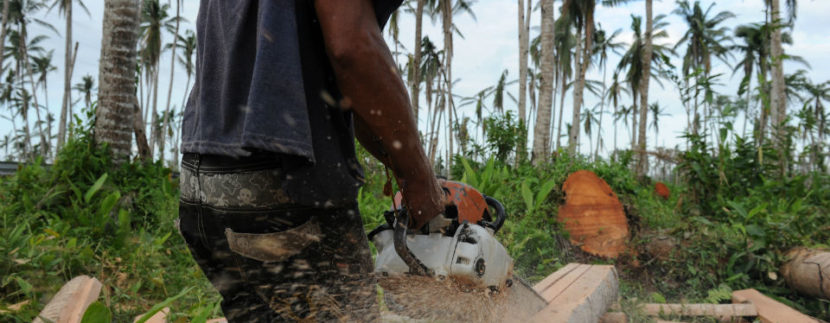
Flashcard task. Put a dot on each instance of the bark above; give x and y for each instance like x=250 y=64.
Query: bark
x=579 y=87
x=415 y=87
x=601 y=111
x=778 y=99
x=634 y=111
x=561 y=109
x=154 y=131
x=67 y=80
x=808 y=272
x=642 y=161
x=447 y=26
x=116 y=91
x=140 y=134
x=72 y=72
x=4 y=28
x=541 y=133
x=166 y=122
x=523 y=50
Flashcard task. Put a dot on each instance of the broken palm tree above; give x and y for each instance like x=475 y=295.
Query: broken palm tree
x=593 y=215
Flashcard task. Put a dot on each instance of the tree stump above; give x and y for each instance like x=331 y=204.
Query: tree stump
x=593 y=215
x=808 y=271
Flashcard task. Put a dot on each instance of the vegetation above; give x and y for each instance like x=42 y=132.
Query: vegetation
x=750 y=183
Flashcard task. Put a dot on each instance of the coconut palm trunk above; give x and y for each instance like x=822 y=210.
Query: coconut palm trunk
x=579 y=88
x=116 y=90
x=25 y=51
x=563 y=77
x=642 y=161
x=4 y=27
x=166 y=123
x=778 y=98
x=415 y=86
x=523 y=51
x=447 y=28
x=541 y=133
x=67 y=81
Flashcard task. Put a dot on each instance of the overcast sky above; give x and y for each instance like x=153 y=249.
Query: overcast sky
x=488 y=48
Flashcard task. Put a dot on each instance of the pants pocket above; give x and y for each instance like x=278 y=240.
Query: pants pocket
x=275 y=246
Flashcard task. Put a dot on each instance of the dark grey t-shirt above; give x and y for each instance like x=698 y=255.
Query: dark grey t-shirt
x=264 y=83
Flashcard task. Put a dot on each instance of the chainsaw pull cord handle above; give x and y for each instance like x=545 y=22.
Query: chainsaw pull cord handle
x=501 y=215
x=416 y=267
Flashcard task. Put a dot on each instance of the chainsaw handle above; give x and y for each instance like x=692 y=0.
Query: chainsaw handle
x=501 y=215
x=416 y=267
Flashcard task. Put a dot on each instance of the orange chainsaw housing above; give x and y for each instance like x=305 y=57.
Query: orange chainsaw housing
x=469 y=202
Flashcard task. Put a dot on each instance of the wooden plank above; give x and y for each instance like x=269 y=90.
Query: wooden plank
x=71 y=301
x=219 y=320
x=556 y=289
x=584 y=298
x=770 y=310
x=714 y=310
x=159 y=317
x=554 y=277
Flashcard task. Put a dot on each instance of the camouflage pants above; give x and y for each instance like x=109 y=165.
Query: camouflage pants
x=270 y=260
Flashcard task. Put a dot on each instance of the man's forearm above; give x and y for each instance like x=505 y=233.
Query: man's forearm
x=369 y=80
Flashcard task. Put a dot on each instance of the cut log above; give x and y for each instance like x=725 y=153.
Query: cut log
x=71 y=301
x=808 y=271
x=578 y=293
x=713 y=310
x=770 y=310
x=662 y=190
x=593 y=215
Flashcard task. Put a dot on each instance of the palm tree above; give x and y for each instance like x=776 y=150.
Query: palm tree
x=704 y=38
x=602 y=45
x=524 y=35
x=656 y=113
x=415 y=84
x=4 y=27
x=580 y=13
x=589 y=117
x=42 y=67
x=188 y=45
x=778 y=100
x=85 y=88
x=541 y=133
x=154 y=18
x=814 y=115
x=166 y=122
x=613 y=93
x=632 y=63
x=116 y=93
x=65 y=8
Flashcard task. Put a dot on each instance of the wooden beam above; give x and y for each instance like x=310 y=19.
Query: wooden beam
x=71 y=301
x=714 y=310
x=159 y=317
x=770 y=310
x=578 y=293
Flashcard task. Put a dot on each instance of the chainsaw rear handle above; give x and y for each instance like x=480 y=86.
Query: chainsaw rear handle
x=501 y=215
x=416 y=267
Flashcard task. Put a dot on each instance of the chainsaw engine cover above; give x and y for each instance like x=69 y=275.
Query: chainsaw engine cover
x=472 y=255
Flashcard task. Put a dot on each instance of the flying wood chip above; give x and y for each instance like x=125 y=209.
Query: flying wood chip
x=593 y=215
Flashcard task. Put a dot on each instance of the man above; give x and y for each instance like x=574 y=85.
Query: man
x=269 y=175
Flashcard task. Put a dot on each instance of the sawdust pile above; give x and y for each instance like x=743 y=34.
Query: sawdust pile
x=432 y=300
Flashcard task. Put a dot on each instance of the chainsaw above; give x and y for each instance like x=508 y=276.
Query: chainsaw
x=459 y=244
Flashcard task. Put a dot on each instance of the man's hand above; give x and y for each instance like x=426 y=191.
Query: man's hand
x=369 y=81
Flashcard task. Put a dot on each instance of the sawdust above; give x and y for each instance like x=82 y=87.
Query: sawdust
x=433 y=300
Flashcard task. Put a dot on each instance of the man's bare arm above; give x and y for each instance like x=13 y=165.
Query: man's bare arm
x=369 y=80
